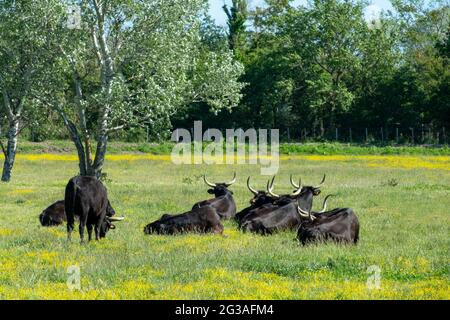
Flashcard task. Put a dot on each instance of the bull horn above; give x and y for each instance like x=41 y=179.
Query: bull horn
x=115 y=218
x=270 y=188
x=232 y=180
x=299 y=188
x=304 y=213
x=293 y=183
x=324 y=206
x=250 y=188
x=321 y=183
x=207 y=182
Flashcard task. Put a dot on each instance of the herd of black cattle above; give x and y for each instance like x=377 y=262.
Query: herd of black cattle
x=86 y=200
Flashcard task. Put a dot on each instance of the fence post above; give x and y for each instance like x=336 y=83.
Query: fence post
x=350 y=134
x=396 y=135
x=337 y=136
x=444 y=138
x=288 y=135
x=412 y=135
x=367 y=136
x=148 y=135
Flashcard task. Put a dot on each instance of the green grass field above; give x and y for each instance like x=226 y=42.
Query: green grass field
x=403 y=204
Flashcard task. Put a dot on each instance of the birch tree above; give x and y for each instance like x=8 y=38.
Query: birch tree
x=136 y=62
x=24 y=50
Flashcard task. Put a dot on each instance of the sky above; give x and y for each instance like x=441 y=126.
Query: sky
x=217 y=13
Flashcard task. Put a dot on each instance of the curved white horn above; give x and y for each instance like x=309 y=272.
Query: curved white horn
x=250 y=188
x=324 y=206
x=207 y=182
x=270 y=188
x=299 y=189
x=293 y=183
x=304 y=213
x=232 y=181
x=321 y=182
x=115 y=218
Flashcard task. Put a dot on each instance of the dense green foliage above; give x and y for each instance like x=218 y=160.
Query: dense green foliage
x=324 y=66
x=316 y=67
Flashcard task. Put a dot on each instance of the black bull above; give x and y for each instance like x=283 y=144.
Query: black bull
x=86 y=197
x=54 y=215
x=338 y=225
x=202 y=219
x=223 y=202
x=277 y=212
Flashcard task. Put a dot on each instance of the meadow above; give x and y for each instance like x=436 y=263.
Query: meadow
x=402 y=201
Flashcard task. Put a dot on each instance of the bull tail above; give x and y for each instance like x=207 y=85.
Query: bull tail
x=69 y=204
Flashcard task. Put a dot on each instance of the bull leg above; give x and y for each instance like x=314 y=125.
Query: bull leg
x=81 y=228
x=96 y=230
x=89 y=228
x=70 y=227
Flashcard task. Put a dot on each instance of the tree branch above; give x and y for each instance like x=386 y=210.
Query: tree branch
x=7 y=105
x=117 y=128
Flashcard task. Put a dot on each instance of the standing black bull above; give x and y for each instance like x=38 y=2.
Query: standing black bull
x=339 y=225
x=86 y=197
x=55 y=214
x=281 y=214
x=201 y=219
x=223 y=201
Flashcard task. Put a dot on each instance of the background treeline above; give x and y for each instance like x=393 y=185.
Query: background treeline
x=322 y=67
x=310 y=70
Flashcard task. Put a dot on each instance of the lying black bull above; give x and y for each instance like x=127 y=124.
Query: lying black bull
x=201 y=219
x=282 y=213
x=223 y=201
x=261 y=198
x=339 y=225
x=54 y=215
x=86 y=197
x=272 y=202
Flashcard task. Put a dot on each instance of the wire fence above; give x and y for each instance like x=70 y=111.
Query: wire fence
x=382 y=135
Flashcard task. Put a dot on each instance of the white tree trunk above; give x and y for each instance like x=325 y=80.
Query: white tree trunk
x=11 y=149
x=107 y=64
